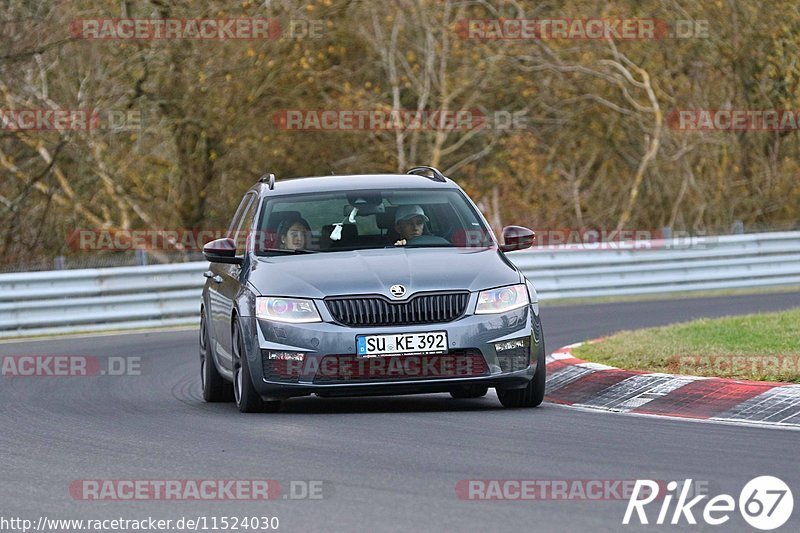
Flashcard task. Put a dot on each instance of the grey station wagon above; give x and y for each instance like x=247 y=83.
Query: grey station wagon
x=367 y=285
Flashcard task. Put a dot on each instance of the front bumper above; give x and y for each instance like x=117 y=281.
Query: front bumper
x=471 y=334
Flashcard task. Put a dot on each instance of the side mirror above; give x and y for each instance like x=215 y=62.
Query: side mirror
x=517 y=238
x=222 y=251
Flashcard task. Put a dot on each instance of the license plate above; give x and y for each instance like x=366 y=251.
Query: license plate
x=403 y=343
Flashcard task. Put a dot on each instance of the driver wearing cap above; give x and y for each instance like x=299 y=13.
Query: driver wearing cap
x=409 y=222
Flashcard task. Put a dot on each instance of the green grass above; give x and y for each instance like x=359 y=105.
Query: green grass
x=763 y=347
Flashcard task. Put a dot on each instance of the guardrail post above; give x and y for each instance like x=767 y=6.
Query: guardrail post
x=60 y=263
x=141 y=257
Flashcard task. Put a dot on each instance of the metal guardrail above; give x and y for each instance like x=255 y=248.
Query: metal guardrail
x=44 y=303
x=66 y=301
x=651 y=267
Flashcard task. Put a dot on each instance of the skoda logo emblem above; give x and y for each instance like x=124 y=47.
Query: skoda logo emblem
x=397 y=291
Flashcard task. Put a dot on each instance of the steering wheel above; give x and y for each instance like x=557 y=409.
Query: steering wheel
x=428 y=240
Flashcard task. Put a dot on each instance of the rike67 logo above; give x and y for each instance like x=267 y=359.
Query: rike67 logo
x=765 y=503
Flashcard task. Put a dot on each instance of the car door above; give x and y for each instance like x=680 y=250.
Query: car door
x=225 y=283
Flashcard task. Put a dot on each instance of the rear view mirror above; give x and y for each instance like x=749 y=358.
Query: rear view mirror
x=517 y=238
x=222 y=251
x=364 y=209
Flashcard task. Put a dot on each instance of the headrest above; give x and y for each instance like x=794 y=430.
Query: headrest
x=276 y=217
x=386 y=220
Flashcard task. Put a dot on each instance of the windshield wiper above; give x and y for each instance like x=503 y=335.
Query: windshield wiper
x=286 y=251
x=426 y=245
x=348 y=249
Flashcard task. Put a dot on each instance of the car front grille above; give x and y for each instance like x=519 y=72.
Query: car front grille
x=379 y=311
x=354 y=369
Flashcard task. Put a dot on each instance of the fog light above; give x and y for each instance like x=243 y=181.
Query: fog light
x=282 y=367
x=510 y=345
x=513 y=355
x=286 y=356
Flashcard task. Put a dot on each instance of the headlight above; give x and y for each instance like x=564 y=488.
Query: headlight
x=293 y=310
x=502 y=299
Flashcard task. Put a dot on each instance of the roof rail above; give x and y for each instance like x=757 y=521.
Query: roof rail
x=428 y=172
x=268 y=178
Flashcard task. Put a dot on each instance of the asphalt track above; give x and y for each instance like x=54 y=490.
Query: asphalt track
x=387 y=464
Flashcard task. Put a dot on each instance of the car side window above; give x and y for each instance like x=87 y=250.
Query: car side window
x=237 y=218
x=246 y=223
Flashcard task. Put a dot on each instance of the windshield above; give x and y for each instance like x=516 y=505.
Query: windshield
x=360 y=220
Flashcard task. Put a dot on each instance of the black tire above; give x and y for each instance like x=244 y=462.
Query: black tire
x=215 y=388
x=247 y=398
x=471 y=391
x=533 y=394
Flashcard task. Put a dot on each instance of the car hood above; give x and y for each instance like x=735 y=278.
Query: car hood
x=374 y=271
